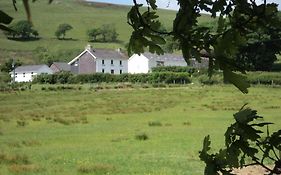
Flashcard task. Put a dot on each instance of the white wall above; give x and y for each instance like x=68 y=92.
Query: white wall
x=107 y=66
x=138 y=64
x=24 y=76
x=29 y=75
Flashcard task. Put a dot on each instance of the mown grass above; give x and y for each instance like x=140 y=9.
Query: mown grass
x=81 y=16
x=111 y=141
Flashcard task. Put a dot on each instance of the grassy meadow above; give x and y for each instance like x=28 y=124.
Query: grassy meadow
x=82 y=16
x=156 y=131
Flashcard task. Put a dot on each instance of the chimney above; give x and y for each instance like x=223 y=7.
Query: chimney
x=89 y=47
x=118 y=50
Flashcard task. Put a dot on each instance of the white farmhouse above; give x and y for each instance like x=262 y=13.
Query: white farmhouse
x=99 y=60
x=144 y=63
x=27 y=73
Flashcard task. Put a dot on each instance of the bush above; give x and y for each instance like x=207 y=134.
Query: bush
x=215 y=79
x=96 y=168
x=141 y=136
x=5 y=77
x=276 y=67
x=173 y=69
x=267 y=78
x=154 y=123
x=158 y=77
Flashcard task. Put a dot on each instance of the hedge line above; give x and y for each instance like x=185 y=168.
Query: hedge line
x=173 y=69
x=155 y=77
x=266 y=78
x=158 y=77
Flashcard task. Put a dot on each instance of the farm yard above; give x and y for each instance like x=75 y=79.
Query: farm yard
x=120 y=131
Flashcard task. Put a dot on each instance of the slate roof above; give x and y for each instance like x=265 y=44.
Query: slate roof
x=107 y=53
x=165 y=57
x=178 y=58
x=101 y=54
x=29 y=68
x=62 y=66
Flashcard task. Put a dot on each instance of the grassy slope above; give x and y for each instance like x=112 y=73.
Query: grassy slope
x=81 y=16
x=115 y=117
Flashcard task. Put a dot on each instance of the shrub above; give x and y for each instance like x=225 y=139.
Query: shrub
x=187 y=123
x=276 y=67
x=215 y=79
x=141 y=136
x=154 y=123
x=264 y=78
x=97 y=169
x=21 y=123
x=173 y=69
x=157 y=77
x=62 y=121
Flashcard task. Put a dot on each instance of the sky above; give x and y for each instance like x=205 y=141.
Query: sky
x=167 y=4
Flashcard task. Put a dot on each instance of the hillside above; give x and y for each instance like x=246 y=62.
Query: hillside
x=81 y=15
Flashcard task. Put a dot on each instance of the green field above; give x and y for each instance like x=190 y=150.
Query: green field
x=79 y=131
x=81 y=16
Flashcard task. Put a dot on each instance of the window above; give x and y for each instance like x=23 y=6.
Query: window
x=159 y=63
x=23 y=74
x=102 y=70
x=121 y=71
x=120 y=62
x=111 y=62
x=102 y=62
x=112 y=71
x=16 y=73
x=31 y=73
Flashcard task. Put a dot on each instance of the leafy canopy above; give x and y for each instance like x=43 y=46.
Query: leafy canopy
x=105 y=33
x=236 y=20
x=245 y=145
x=62 y=29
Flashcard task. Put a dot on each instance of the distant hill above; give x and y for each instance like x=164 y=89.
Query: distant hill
x=81 y=15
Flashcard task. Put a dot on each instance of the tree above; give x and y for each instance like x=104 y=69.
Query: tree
x=236 y=20
x=108 y=32
x=260 y=56
x=23 y=30
x=44 y=56
x=237 y=33
x=93 y=34
x=62 y=29
x=8 y=65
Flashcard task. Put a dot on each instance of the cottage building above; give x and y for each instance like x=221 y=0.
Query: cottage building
x=27 y=73
x=99 y=60
x=144 y=63
x=60 y=66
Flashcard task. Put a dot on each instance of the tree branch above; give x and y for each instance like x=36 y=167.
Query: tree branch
x=146 y=25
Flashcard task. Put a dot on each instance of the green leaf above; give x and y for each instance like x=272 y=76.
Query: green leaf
x=157 y=39
x=221 y=24
x=245 y=116
x=206 y=144
x=237 y=80
x=153 y=48
x=262 y=124
x=152 y=4
x=5 y=18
